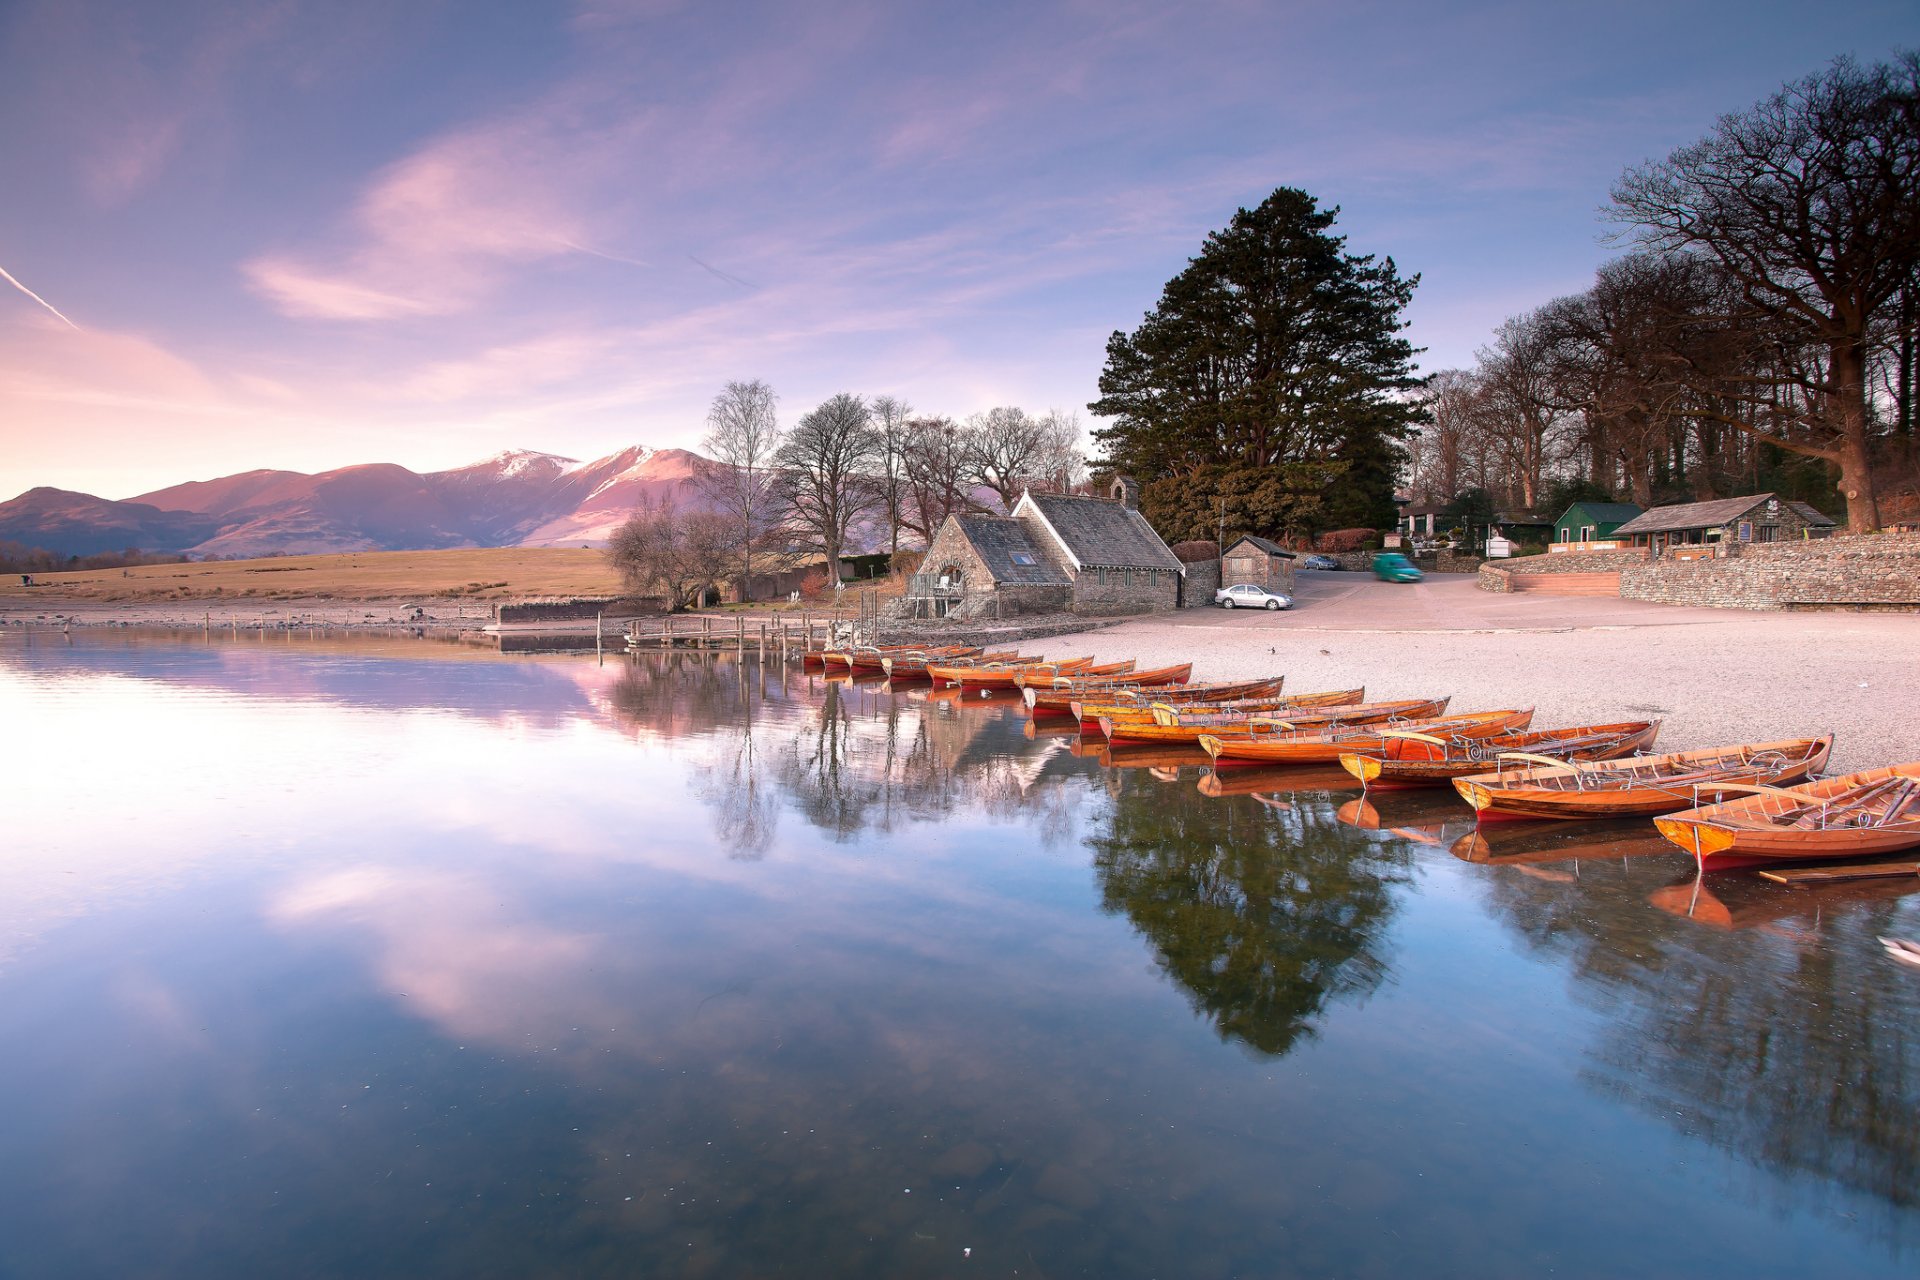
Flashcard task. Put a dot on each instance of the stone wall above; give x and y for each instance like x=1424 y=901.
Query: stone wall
x=1259 y=569
x=1013 y=600
x=1493 y=573
x=1203 y=579
x=1870 y=571
x=1103 y=592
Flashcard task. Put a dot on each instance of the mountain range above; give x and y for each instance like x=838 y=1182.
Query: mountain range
x=519 y=498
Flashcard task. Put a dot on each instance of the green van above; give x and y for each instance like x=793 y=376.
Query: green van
x=1391 y=566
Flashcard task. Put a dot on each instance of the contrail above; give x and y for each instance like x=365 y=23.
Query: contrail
x=37 y=298
x=733 y=280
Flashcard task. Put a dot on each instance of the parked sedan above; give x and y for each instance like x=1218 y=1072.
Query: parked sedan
x=1319 y=562
x=1248 y=596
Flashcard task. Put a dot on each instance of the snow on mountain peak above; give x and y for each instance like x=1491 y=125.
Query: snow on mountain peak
x=512 y=463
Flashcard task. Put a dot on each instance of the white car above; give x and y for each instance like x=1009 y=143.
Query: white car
x=1248 y=596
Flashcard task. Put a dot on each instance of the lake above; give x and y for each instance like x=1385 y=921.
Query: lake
x=388 y=956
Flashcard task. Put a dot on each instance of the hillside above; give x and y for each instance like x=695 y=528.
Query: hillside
x=516 y=498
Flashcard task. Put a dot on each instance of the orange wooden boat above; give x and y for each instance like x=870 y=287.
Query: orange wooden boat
x=868 y=657
x=844 y=657
x=1642 y=786
x=1187 y=724
x=1413 y=759
x=996 y=675
x=911 y=664
x=1282 y=742
x=1276 y=704
x=1126 y=697
x=1856 y=815
x=1059 y=696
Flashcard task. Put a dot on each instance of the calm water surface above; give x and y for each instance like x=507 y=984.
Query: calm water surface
x=383 y=957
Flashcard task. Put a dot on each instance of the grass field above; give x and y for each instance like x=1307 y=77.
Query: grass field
x=493 y=573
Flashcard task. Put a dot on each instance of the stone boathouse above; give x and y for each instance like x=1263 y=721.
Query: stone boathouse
x=1053 y=554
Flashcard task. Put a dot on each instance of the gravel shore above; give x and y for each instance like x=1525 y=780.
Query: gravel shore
x=1713 y=676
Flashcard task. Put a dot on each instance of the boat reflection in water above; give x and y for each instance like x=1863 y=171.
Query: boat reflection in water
x=1532 y=843
x=1737 y=900
x=676 y=964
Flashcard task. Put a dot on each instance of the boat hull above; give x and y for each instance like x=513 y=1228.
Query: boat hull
x=1327 y=748
x=1738 y=832
x=1624 y=793
x=1440 y=766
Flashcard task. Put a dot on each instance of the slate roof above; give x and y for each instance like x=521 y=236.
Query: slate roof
x=1814 y=516
x=998 y=539
x=1266 y=545
x=1707 y=515
x=1601 y=512
x=1100 y=533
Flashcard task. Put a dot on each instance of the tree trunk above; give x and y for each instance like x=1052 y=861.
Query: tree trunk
x=1848 y=370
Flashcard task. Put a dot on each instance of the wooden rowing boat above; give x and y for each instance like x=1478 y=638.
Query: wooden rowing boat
x=1187 y=724
x=1641 y=786
x=1283 y=742
x=1856 y=815
x=832 y=658
x=1131 y=699
x=874 y=658
x=1275 y=704
x=997 y=675
x=912 y=664
x=1414 y=759
x=1060 y=694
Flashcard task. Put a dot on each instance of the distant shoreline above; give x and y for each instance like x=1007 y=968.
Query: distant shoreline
x=31 y=608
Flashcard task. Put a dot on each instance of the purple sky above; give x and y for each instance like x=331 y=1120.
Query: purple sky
x=309 y=234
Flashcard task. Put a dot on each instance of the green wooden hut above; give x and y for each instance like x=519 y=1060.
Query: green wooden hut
x=1592 y=521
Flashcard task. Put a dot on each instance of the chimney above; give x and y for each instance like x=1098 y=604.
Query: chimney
x=1126 y=492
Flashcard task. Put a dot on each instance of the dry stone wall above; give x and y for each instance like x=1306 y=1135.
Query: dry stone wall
x=1868 y=571
x=1494 y=574
x=1203 y=579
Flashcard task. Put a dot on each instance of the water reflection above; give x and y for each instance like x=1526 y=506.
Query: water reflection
x=1266 y=916
x=1788 y=1045
x=399 y=959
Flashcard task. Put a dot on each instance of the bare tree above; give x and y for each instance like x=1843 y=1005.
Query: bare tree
x=1521 y=402
x=1810 y=203
x=1438 y=455
x=675 y=555
x=891 y=417
x=825 y=479
x=743 y=435
x=1010 y=450
x=1062 y=464
x=936 y=457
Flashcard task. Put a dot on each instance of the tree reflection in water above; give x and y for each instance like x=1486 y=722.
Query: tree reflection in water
x=1789 y=1045
x=848 y=758
x=1265 y=916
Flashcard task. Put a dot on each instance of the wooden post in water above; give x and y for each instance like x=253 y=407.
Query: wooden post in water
x=740 y=634
x=666 y=632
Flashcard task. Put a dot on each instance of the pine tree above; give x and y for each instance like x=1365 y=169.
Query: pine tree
x=1273 y=349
